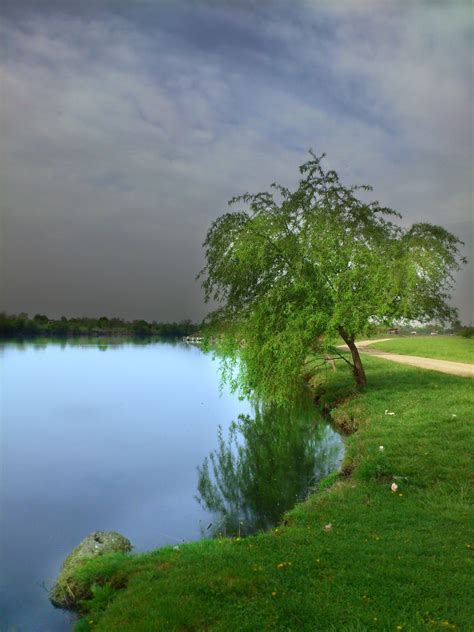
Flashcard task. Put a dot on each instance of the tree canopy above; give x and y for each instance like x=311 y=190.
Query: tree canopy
x=294 y=270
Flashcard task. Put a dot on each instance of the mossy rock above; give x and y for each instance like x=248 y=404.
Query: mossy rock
x=67 y=593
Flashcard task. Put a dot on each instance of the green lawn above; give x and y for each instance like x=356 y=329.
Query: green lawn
x=453 y=348
x=389 y=561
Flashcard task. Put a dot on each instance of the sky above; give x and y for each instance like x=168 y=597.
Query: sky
x=127 y=125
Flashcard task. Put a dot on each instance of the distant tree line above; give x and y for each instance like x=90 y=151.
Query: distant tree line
x=426 y=329
x=21 y=325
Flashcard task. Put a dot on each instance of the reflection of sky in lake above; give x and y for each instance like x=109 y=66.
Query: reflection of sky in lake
x=94 y=440
x=110 y=438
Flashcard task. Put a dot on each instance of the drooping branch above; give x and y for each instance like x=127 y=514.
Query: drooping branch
x=318 y=261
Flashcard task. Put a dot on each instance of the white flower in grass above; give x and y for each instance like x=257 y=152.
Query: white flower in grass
x=394 y=487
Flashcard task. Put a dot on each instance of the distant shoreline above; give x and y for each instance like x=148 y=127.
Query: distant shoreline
x=21 y=326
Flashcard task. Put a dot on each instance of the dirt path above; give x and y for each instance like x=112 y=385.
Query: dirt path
x=445 y=366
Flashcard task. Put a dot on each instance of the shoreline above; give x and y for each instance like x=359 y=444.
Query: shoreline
x=354 y=537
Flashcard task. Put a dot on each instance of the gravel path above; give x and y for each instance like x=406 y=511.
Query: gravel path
x=445 y=366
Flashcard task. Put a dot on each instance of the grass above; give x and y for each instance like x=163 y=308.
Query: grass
x=389 y=561
x=453 y=348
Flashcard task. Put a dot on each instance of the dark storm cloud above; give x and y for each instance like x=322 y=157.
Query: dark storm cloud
x=128 y=125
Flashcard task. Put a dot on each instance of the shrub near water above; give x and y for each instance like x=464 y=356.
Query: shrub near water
x=355 y=556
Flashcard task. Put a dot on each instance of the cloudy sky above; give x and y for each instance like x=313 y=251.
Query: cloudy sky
x=126 y=125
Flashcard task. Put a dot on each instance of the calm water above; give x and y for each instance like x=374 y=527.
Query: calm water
x=110 y=437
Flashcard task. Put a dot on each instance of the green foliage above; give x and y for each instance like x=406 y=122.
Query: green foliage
x=41 y=319
x=18 y=326
x=140 y=328
x=296 y=269
x=466 y=332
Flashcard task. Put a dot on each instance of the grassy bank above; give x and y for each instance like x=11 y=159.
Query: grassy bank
x=356 y=556
x=453 y=348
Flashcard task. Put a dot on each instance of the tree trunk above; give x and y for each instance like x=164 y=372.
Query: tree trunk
x=357 y=368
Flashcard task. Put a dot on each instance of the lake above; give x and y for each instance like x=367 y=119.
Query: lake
x=114 y=436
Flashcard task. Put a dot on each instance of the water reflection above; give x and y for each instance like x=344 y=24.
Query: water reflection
x=98 y=342
x=97 y=440
x=265 y=465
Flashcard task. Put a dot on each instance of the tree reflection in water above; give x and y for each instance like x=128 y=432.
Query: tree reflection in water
x=265 y=465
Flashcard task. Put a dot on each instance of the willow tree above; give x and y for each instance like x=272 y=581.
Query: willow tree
x=292 y=271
